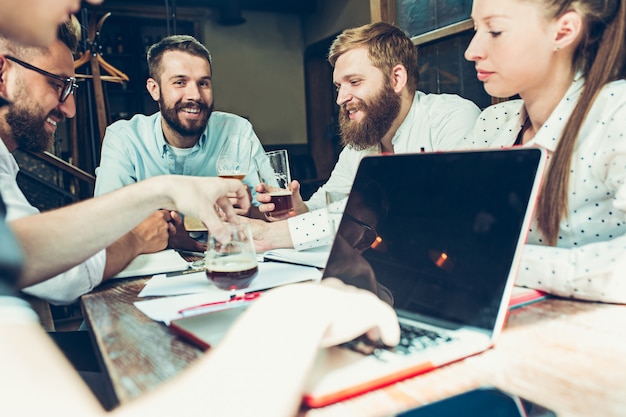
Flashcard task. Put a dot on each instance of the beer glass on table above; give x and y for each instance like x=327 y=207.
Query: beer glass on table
x=233 y=265
x=233 y=160
x=274 y=174
x=335 y=204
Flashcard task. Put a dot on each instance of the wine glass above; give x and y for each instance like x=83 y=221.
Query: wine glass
x=233 y=160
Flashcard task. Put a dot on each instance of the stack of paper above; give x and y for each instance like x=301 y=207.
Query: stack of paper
x=316 y=257
x=522 y=296
x=154 y=263
x=191 y=290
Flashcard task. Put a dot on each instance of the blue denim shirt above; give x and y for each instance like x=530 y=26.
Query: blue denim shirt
x=135 y=149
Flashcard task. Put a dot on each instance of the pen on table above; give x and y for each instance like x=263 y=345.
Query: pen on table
x=235 y=300
x=191 y=253
x=185 y=272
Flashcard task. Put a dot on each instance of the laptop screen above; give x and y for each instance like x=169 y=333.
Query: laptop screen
x=435 y=234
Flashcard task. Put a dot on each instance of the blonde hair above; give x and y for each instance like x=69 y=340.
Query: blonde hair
x=387 y=46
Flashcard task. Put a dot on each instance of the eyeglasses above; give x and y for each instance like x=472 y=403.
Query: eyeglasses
x=368 y=239
x=69 y=84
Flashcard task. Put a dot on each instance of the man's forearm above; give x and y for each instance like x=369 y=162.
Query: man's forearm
x=55 y=241
x=119 y=254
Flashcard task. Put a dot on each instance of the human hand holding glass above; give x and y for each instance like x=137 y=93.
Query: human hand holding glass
x=275 y=178
x=234 y=159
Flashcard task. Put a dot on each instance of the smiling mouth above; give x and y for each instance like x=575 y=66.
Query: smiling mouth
x=191 y=110
x=352 y=112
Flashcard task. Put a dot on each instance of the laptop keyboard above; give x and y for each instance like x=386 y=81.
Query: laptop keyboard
x=412 y=339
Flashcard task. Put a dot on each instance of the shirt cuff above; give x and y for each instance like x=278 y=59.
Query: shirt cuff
x=546 y=268
x=310 y=230
x=68 y=286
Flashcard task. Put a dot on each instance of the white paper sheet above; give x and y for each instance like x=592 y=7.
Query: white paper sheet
x=271 y=274
x=154 y=263
x=193 y=289
x=316 y=257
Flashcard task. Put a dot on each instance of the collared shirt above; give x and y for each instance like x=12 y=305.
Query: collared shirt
x=65 y=288
x=135 y=149
x=589 y=259
x=435 y=122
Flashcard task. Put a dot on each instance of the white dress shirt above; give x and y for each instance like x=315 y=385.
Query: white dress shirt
x=589 y=260
x=435 y=122
x=65 y=288
x=15 y=311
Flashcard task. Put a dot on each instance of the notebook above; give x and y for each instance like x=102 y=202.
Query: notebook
x=167 y=260
x=438 y=236
x=316 y=257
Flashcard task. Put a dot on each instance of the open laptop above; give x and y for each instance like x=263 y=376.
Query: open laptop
x=439 y=237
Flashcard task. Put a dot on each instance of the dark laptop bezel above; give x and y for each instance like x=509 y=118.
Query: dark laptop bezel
x=492 y=170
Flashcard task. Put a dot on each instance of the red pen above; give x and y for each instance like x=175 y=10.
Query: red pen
x=234 y=301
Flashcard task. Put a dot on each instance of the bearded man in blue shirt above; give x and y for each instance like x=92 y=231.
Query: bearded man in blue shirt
x=184 y=137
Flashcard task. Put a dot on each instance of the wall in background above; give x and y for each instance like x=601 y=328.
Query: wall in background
x=258 y=73
x=334 y=16
x=258 y=65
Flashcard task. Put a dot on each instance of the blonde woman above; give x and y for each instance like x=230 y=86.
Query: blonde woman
x=566 y=60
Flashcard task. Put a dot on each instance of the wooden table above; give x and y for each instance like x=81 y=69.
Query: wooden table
x=569 y=356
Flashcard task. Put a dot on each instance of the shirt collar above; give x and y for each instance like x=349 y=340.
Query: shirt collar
x=410 y=116
x=164 y=146
x=550 y=133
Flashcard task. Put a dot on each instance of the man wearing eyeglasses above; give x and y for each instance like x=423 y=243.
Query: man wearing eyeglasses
x=35 y=22
x=66 y=86
x=37 y=380
x=42 y=84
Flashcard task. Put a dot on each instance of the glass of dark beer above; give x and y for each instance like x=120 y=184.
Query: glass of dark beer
x=274 y=174
x=232 y=265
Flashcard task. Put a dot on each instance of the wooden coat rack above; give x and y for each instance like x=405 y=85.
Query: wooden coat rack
x=93 y=56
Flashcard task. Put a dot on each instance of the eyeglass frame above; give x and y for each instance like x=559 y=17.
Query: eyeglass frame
x=362 y=243
x=69 y=83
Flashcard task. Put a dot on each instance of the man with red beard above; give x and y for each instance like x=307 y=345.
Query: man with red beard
x=43 y=86
x=381 y=111
x=184 y=137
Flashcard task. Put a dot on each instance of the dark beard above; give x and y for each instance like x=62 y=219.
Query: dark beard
x=28 y=128
x=380 y=113
x=170 y=115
